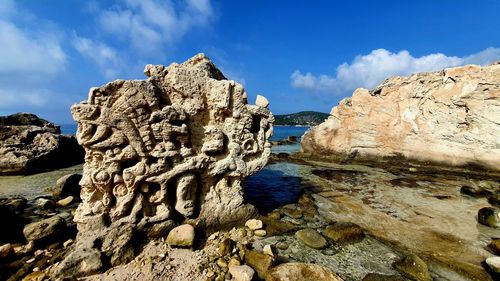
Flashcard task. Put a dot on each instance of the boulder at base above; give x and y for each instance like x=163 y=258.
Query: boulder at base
x=29 y=144
x=302 y=272
x=449 y=117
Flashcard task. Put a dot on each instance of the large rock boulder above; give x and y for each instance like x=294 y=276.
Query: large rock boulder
x=176 y=146
x=30 y=144
x=449 y=117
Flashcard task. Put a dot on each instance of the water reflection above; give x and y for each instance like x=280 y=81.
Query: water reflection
x=276 y=185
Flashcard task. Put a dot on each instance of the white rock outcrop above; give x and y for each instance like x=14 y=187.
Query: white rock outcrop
x=171 y=148
x=449 y=117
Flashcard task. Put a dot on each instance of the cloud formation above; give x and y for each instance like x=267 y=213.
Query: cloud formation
x=369 y=70
x=29 y=59
x=150 y=25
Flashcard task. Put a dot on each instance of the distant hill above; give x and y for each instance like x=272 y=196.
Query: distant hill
x=310 y=118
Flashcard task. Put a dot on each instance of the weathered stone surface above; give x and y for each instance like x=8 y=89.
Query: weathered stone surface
x=260 y=262
x=254 y=224
x=447 y=117
x=489 y=216
x=311 y=238
x=6 y=251
x=302 y=272
x=30 y=144
x=66 y=201
x=68 y=185
x=494 y=263
x=242 y=272
x=414 y=268
x=181 y=236
x=173 y=147
x=46 y=231
x=344 y=232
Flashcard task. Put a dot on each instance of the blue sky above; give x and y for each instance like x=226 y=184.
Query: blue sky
x=301 y=55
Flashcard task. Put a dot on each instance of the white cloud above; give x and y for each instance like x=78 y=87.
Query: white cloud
x=150 y=25
x=104 y=56
x=32 y=55
x=369 y=70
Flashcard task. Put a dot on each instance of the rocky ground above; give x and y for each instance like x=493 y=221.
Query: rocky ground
x=403 y=224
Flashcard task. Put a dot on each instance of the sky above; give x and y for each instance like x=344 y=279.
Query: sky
x=301 y=55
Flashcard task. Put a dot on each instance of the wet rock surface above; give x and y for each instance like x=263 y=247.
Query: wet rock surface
x=29 y=144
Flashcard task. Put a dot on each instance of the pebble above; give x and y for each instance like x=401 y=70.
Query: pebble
x=181 y=236
x=254 y=224
x=494 y=263
x=311 y=238
x=221 y=262
x=268 y=250
x=6 y=250
x=282 y=245
x=242 y=272
x=260 y=233
x=67 y=243
x=66 y=201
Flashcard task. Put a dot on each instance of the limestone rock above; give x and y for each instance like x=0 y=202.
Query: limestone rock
x=173 y=147
x=6 y=251
x=489 y=216
x=181 y=236
x=494 y=263
x=260 y=262
x=242 y=272
x=68 y=185
x=301 y=272
x=448 y=117
x=414 y=268
x=66 y=201
x=30 y=144
x=46 y=231
x=344 y=232
x=311 y=238
x=261 y=101
x=254 y=224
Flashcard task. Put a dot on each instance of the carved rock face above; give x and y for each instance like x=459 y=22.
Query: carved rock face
x=175 y=146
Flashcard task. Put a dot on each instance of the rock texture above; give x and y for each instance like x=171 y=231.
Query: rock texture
x=450 y=117
x=176 y=146
x=30 y=144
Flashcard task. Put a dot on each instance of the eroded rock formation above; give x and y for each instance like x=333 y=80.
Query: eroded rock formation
x=449 y=117
x=29 y=144
x=174 y=147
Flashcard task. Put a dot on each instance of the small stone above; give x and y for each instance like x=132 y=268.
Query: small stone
x=260 y=262
x=233 y=262
x=344 y=232
x=495 y=245
x=311 y=238
x=36 y=268
x=494 y=263
x=46 y=231
x=241 y=233
x=221 y=262
x=328 y=252
x=274 y=215
x=45 y=204
x=268 y=250
x=67 y=243
x=282 y=245
x=66 y=201
x=35 y=276
x=242 y=272
x=213 y=236
x=260 y=232
x=412 y=169
x=475 y=191
x=261 y=101
x=254 y=224
x=489 y=216
x=225 y=247
x=6 y=251
x=181 y=236
x=68 y=185
x=413 y=268
x=38 y=252
x=301 y=271
x=292 y=211
x=31 y=260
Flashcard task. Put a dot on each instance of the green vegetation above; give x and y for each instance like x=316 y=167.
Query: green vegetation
x=310 y=118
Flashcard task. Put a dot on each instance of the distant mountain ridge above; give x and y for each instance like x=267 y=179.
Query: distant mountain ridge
x=310 y=118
